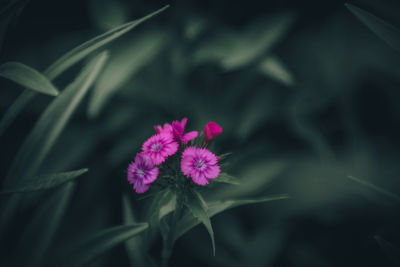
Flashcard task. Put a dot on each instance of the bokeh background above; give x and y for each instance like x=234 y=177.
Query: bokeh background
x=306 y=95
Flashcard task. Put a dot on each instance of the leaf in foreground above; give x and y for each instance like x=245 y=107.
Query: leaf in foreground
x=386 y=31
x=375 y=188
x=126 y=61
x=45 y=181
x=51 y=123
x=226 y=178
x=90 y=249
x=198 y=207
x=27 y=77
x=274 y=68
x=188 y=221
x=162 y=204
x=81 y=51
x=42 y=227
x=68 y=60
x=134 y=246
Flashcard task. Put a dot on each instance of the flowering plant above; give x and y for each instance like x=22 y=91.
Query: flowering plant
x=180 y=164
x=169 y=145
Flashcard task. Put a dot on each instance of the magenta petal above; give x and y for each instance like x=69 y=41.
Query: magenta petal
x=143 y=160
x=200 y=164
x=166 y=129
x=183 y=123
x=189 y=136
x=159 y=147
x=141 y=173
x=151 y=176
x=199 y=178
x=158 y=128
x=213 y=171
x=140 y=188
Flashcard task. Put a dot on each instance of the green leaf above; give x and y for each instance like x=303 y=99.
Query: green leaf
x=134 y=246
x=90 y=249
x=376 y=188
x=226 y=178
x=234 y=50
x=12 y=112
x=254 y=178
x=163 y=204
x=45 y=181
x=391 y=251
x=188 y=221
x=386 y=31
x=223 y=156
x=108 y=14
x=78 y=53
x=198 y=207
x=42 y=227
x=126 y=61
x=275 y=69
x=51 y=123
x=27 y=77
x=167 y=207
x=68 y=60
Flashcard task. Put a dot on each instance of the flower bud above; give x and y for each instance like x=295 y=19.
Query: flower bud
x=212 y=130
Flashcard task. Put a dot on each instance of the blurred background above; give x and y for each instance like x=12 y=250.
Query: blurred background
x=306 y=96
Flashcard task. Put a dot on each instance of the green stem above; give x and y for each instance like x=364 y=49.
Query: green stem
x=168 y=243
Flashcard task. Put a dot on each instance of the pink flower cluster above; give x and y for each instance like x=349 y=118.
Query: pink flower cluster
x=199 y=164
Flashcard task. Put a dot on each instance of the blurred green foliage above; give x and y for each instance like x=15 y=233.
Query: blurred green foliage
x=305 y=92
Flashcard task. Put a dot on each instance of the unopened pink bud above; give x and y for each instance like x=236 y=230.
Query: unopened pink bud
x=212 y=130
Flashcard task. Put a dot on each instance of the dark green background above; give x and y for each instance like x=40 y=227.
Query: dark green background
x=337 y=115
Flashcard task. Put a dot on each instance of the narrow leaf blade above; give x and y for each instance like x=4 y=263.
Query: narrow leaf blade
x=52 y=122
x=134 y=246
x=76 y=54
x=68 y=60
x=385 y=31
x=188 y=221
x=126 y=61
x=27 y=77
x=275 y=69
x=199 y=209
x=90 y=249
x=163 y=204
x=226 y=178
x=375 y=188
x=44 y=182
x=12 y=112
x=43 y=226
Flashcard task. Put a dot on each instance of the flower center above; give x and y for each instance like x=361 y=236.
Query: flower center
x=199 y=163
x=156 y=147
x=140 y=172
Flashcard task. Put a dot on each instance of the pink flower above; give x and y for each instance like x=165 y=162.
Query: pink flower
x=159 y=147
x=167 y=128
x=141 y=173
x=179 y=128
x=212 y=130
x=200 y=164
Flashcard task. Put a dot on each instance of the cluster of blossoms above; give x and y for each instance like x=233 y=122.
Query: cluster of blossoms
x=197 y=163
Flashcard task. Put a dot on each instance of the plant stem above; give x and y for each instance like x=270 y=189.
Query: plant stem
x=168 y=243
x=166 y=253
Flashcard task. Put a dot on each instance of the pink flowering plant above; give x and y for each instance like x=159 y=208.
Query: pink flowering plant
x=177 y=163
x=174 y=167
x=170 y=147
